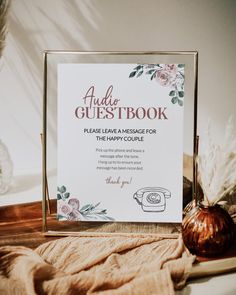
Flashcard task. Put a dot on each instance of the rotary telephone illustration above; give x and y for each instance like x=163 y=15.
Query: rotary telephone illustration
x=152 y=199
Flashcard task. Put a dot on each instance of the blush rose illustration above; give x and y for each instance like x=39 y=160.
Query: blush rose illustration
x=74 y=216
x=167 y=75
x=65 y=209
x=74 y=203
x=71 y=209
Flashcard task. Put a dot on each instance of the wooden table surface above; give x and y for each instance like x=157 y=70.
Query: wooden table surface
x=22 y=225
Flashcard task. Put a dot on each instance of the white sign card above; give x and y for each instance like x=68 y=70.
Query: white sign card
x=120 y=142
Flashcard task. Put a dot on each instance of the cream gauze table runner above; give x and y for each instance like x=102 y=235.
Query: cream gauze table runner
x=144 y=264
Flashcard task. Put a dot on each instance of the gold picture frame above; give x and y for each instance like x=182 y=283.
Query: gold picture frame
x=52 y=227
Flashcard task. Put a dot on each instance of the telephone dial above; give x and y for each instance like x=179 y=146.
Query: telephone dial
x=152 y=199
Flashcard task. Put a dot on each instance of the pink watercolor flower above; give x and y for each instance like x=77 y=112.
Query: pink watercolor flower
x=65 y=209
x=74 y=216
x=74 y=203
x=167 y=75
x=172 y=68
x=163 y=78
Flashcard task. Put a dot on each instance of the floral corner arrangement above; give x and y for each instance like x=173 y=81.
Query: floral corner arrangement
x=69 y=208
x=167 y=75
x=217 y=166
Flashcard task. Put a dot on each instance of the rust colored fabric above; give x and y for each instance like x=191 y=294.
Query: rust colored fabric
x=113 y=265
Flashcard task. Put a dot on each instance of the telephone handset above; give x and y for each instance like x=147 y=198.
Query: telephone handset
x=152 y=199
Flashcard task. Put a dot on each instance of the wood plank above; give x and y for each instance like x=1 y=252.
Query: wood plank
x=213 y=267
x=24 y=211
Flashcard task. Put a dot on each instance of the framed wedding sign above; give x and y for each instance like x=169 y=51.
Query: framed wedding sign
x=117 y=128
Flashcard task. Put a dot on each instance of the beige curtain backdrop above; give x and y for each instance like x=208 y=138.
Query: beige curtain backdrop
x=208 y=26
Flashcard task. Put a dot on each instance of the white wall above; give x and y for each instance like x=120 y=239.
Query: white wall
x=208 y=26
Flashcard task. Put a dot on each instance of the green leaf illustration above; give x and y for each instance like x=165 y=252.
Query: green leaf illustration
x=172 y=93
x=110 y=218
x=97 y=217
x=60 y=216
x=62 y=189
x=180 y=102
x=180 y=65
x=139 y=74
x=150 y=71
x=58 y=196
x=153 y=75
x=85 y=208
x=97 y=205
x=181 y=93
x=132 y=74
x=66 y=195
x=174 y=99
x=138 y=67
x=98 y=211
